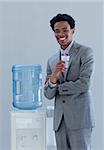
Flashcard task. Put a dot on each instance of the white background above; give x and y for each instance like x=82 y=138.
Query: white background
x=26 y=38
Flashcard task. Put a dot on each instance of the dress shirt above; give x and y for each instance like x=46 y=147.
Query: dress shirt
x=66 y=51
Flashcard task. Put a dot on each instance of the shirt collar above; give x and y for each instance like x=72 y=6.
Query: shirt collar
x=67 y=49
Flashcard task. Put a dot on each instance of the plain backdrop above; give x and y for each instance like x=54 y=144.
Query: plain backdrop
x=26 y=38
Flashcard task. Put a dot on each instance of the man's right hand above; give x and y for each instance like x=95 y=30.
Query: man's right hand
x=60 y=67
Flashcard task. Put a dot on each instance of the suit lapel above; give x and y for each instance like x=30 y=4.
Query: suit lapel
x=61 y=76
x=55 y=61
x=69 y=64
x=72 y=52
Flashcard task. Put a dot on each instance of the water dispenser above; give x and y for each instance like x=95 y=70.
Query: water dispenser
x=27 y=86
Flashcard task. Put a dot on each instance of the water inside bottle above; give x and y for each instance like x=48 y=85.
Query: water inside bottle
x=27 y=86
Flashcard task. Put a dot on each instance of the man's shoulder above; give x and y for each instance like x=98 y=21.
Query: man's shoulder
x=81 y=46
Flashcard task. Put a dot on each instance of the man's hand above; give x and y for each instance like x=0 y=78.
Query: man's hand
x=60 y=67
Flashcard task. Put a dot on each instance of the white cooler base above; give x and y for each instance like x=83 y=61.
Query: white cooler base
x=28 y=130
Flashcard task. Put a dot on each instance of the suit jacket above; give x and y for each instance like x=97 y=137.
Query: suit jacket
x=74 y=97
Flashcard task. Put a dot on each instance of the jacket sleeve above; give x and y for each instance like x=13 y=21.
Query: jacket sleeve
x=82 y=84
x=49 y=91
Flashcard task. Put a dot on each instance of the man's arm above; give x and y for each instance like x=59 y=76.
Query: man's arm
x=50 y=87
x=82 y=84
x=49 y=90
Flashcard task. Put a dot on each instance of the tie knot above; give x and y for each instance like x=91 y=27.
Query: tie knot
x=66 y=53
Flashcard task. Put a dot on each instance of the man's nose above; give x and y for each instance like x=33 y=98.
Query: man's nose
x=61 y=33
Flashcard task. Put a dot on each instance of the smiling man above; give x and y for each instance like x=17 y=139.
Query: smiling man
x=68 y=81
x=63 y=33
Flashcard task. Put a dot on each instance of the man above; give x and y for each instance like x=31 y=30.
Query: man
x=73 y=113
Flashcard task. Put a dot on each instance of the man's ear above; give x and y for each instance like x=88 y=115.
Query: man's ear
x=73 y=30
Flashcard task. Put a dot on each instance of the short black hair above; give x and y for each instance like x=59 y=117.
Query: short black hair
x=62 y=17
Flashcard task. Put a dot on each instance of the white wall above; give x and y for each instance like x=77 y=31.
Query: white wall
x=26 y=37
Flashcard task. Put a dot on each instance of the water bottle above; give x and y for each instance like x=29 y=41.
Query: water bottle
x=27 y=86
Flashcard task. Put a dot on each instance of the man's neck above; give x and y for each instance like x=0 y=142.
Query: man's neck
x=69 y=45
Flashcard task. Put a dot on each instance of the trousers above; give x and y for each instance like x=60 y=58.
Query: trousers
x=78 y=139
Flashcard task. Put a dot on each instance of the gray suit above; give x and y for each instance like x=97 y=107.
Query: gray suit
x=73 y=99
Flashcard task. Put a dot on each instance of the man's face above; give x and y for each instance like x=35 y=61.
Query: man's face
x=63 y=33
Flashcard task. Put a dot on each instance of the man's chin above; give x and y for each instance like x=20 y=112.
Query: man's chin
x=64 y=44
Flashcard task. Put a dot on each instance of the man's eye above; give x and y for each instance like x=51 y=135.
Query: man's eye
x=57 y=31
x=65 y=30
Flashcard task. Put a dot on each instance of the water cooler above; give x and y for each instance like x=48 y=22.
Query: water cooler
x=31 y=124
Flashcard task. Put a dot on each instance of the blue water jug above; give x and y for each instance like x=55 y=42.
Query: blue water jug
x=27 y=86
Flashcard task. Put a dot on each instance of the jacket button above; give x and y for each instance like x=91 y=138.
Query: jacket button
x=63 y=101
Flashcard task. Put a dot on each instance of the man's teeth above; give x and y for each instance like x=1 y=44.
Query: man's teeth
x=62 y=38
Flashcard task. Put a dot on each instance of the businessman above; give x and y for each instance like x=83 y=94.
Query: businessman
x=68 y=81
